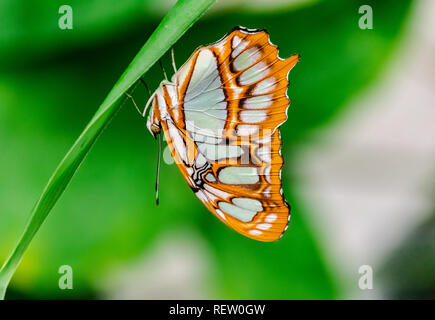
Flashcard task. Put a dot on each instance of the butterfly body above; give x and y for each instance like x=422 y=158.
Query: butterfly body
x=220 y=115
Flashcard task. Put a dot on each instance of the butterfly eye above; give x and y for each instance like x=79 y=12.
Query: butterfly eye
x=155 y=129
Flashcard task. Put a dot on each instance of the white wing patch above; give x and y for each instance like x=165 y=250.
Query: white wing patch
x=264 y=226
x=178 y=141
x=258 y=102
x=253 y=116
x=204 y=66
x=265 y=86
x=271 y=217
x=264 y=154
x=247 y=203
x=210 y=178
x=200 y=160
x=205 y=109
x=246 y=59
x=238 y=175
x=254 y=73
x=217 y=152
x=245 y=130
x=255 y=232
x=237 y=212
x=238 y=45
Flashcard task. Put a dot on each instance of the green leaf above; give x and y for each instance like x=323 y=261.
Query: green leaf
x=179 y=19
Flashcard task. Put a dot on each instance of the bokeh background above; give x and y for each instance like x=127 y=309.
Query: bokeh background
x=359 y=150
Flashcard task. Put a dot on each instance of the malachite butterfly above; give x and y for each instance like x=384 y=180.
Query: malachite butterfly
x=220 y=116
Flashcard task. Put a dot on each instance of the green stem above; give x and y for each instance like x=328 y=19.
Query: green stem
x=178 y=20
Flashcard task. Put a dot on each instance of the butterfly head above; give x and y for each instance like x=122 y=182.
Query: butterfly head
x=153 y=124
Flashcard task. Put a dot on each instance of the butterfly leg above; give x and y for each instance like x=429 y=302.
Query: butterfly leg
x=146 y=86
x=173 y=60
x=163 y=69
x=134 y=102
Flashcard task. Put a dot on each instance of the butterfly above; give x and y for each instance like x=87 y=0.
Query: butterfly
x=220 y=115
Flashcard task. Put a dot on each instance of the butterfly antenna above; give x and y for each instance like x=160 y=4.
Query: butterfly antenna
x=173 y=60
x=163 y=69
x=147 y=105
x=158 y=169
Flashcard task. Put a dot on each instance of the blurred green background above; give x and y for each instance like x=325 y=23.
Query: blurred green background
x=106 y=226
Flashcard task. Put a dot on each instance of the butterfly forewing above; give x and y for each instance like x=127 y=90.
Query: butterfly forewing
x=222 y=129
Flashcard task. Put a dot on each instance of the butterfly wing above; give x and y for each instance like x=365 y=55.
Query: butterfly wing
x=223 y=130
